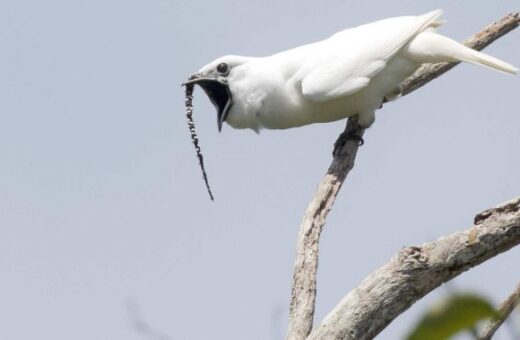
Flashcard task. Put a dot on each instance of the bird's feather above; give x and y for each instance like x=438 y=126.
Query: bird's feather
x=351 y=58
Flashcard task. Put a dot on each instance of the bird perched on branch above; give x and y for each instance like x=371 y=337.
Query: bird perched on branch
x=351 y=73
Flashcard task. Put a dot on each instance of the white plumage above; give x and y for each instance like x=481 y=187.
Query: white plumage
x=348 y=74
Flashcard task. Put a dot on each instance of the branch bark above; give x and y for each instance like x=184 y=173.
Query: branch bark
x=504 y=310
x=303 y=294
x=415 y=271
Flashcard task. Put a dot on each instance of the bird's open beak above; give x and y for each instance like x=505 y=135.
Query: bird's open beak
x=218 y=92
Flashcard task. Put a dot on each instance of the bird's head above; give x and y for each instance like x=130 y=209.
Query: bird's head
x=214 y=79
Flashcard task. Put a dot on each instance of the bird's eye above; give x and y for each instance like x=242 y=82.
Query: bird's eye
x=223 y=69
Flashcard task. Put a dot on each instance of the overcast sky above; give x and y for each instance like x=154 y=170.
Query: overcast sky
x=103 y=212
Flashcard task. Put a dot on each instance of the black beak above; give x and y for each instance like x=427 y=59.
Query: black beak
x=218 y=92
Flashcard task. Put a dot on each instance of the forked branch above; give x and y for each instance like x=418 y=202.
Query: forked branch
x=303 y=295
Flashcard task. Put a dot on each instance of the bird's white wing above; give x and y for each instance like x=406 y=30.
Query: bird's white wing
x=348 y=60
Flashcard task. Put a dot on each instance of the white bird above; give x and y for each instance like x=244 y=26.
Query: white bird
x=350 y=73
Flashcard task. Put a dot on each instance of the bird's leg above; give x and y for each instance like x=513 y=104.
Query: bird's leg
x=353 y=132
x=343 y=138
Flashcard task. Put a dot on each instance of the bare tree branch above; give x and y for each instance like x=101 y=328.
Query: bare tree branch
x=304 y=278
x=504 y=310
x=301 y=312
x=415 y=271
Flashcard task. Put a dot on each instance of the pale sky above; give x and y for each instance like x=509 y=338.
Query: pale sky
x=103 y=212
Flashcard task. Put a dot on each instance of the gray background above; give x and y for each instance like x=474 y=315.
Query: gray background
x=104 y=219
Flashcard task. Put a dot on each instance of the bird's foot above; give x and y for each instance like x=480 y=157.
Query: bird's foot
x=344 y=137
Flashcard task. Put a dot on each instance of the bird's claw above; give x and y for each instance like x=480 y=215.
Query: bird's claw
x=343 y=138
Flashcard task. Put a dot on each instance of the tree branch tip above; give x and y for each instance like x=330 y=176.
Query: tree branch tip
x=511 y=206
x=511 y=16
x=515 y=16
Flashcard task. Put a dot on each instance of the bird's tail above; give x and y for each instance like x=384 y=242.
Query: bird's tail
x=478 y=58
x=430 y=47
